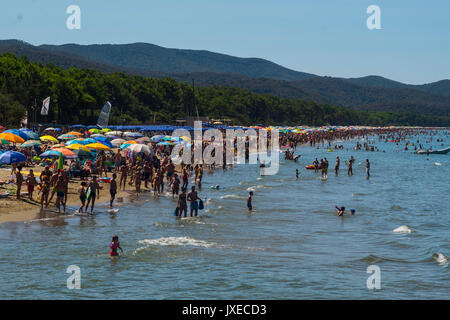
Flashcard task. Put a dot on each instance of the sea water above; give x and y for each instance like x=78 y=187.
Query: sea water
x=291 y=246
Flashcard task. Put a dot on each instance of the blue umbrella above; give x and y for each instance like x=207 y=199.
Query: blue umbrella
x=50 y=154
x=19 y=133
x=88 y=141
x=104 y=141
x=78 y=126
x=10 y=157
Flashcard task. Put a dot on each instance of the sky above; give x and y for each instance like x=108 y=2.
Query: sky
x=323 y=37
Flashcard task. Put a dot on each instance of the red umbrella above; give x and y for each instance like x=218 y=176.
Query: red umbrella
x=2 y=128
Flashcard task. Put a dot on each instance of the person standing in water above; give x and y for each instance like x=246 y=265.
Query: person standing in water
x=193 y=197
x=249 y=201
x=368 y=168
x=336 y=167
x=350 y=166
x=113 y=189
x=94 y=191
x=296 y=174
x=182 y=204
x=114 y=246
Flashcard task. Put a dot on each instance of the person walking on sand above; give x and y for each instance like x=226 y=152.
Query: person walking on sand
x=60 y=193
x=19 y=181
x=123 y=175
x=45 y=189
x=31 y=183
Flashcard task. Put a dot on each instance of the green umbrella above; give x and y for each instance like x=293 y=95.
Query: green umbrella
x=3 y=142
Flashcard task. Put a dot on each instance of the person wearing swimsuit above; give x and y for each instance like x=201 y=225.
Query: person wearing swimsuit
x=114 y=246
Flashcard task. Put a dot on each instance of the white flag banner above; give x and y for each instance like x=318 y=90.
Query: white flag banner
x=103 y=117
x=45 y=106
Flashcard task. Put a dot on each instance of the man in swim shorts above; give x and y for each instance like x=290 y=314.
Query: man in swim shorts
x=193 y=197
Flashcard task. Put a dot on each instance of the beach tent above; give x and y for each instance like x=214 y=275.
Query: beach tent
x=10 y=157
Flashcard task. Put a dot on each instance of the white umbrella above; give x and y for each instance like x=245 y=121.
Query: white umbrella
x=114 y=133
x=133 y=134
x=137 y=147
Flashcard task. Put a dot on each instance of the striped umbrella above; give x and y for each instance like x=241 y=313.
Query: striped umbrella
x=30 y=143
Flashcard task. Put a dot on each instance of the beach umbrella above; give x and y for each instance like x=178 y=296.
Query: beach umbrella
x=97 y=146
x=131 y=142
x=156 y=138
x=50 y=154
x=88 y=141
x=74 y=141
x=125 y=145
x=118 y=141
x=2 y=128
x=59 y=145
x=19 y=133
x=77 y=146
x=94 y=130
x=75 y=133
x=30 y=143
x=53 y=129
x=11 y=137
x=67 y=137
x=65 y=152
x=139 y=148
x=165 y=143
x=31 y=134
x=106 y=130
x=49 y=138
x=114 y=133
x=10 y=157
x=104 y=141
x=83 y=153
x=78 y=126
x=133 y=134
x=96 y=135
x=145 y=139
x=4 y=142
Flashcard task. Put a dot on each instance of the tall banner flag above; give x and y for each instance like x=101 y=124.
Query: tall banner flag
x=45 y=106
x=103 y=117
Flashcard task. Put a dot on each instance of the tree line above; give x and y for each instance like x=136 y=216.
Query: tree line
x=77 y=96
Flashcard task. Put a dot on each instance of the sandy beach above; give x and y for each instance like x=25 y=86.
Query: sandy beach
x=12 y=210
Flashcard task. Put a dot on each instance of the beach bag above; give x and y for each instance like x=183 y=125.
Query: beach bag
x=176 y=212
x=200 y=205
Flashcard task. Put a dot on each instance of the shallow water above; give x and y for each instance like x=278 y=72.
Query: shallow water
x=292 y=246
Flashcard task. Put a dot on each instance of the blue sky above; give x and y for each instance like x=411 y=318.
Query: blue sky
x=324 y=37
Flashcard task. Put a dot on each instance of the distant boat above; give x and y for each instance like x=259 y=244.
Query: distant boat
x=442 y=151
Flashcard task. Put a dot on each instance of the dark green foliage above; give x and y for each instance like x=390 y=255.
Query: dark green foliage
x=77 y=96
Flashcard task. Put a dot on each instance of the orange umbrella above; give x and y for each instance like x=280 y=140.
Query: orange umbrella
x=66 y=152
x=75 y=133
x=11 y=137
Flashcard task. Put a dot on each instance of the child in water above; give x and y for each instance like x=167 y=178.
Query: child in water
x=249 y=201
x=114 y=246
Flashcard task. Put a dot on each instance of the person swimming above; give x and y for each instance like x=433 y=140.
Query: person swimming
x=340 y=211
x=114 y=246
x=249 y=201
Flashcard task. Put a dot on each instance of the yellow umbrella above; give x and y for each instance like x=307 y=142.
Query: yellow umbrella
x=11 y=137
x=97 y=146
x=49 y=138
x=78 y=146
